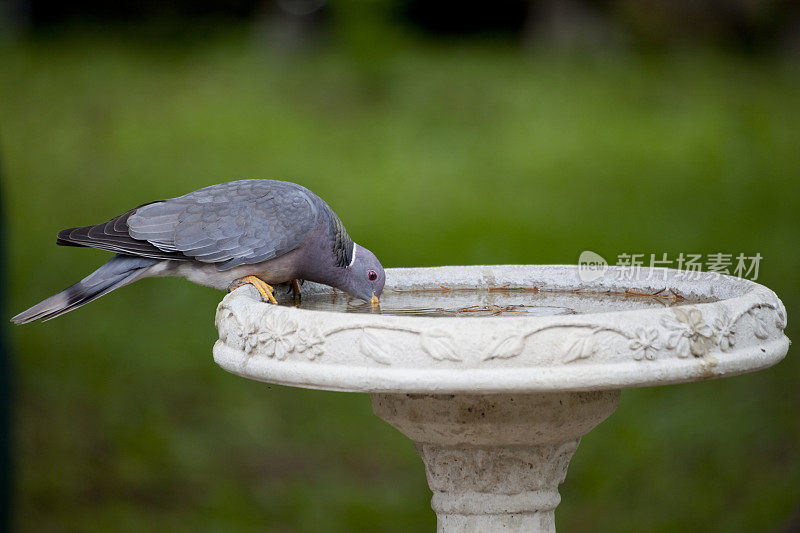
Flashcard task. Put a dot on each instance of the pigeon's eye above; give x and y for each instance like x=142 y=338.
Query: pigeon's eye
x=372 y=275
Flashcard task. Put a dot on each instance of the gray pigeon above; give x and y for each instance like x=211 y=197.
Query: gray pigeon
x=250 y=231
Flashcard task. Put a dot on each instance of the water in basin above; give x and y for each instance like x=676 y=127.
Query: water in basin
x=501 y=303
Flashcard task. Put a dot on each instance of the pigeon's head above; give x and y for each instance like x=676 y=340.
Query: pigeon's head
x=365 y=276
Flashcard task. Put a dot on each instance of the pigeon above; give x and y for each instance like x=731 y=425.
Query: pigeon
x=257 y=231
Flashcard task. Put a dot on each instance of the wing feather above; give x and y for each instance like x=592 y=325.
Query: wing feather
x=231 y=224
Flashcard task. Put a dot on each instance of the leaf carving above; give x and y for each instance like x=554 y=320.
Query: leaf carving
x=682 y=315
x=760 y=329
x=582 y=348
x=439 y=345
x=780 y=317
x=506 y=348
x=370 y=347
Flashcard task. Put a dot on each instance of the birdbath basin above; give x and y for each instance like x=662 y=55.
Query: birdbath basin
x=496 y=372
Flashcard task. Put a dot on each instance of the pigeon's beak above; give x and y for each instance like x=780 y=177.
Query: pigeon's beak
x=373 y=302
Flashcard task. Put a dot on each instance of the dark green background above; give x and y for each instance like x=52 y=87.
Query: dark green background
x=432 y=154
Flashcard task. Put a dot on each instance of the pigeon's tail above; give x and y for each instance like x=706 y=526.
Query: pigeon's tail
x=117 y=272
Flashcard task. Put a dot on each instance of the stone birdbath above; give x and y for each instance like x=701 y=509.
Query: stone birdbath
x=496 y=372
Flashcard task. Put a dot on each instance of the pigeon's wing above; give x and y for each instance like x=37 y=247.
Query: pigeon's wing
x=113 y=236
x=231 y=224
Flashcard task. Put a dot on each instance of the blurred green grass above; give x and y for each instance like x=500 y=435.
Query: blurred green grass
x=431 y=154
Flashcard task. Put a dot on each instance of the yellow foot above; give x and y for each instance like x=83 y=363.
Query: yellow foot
x=262 y=286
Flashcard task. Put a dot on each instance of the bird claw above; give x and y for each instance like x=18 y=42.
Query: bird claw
x=264 y=288
x=294 y=286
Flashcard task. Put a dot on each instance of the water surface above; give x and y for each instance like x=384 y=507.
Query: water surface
x=501 y=303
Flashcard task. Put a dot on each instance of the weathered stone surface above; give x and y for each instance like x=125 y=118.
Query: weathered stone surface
x=496 y=406
x=741 y=332
x=494 y=462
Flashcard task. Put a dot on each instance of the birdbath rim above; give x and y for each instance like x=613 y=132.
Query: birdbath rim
x=741 y=331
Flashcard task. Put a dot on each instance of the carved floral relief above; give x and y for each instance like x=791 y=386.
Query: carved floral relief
x=683 y=333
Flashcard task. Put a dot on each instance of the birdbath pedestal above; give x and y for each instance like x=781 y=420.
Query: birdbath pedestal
x=496 y=405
